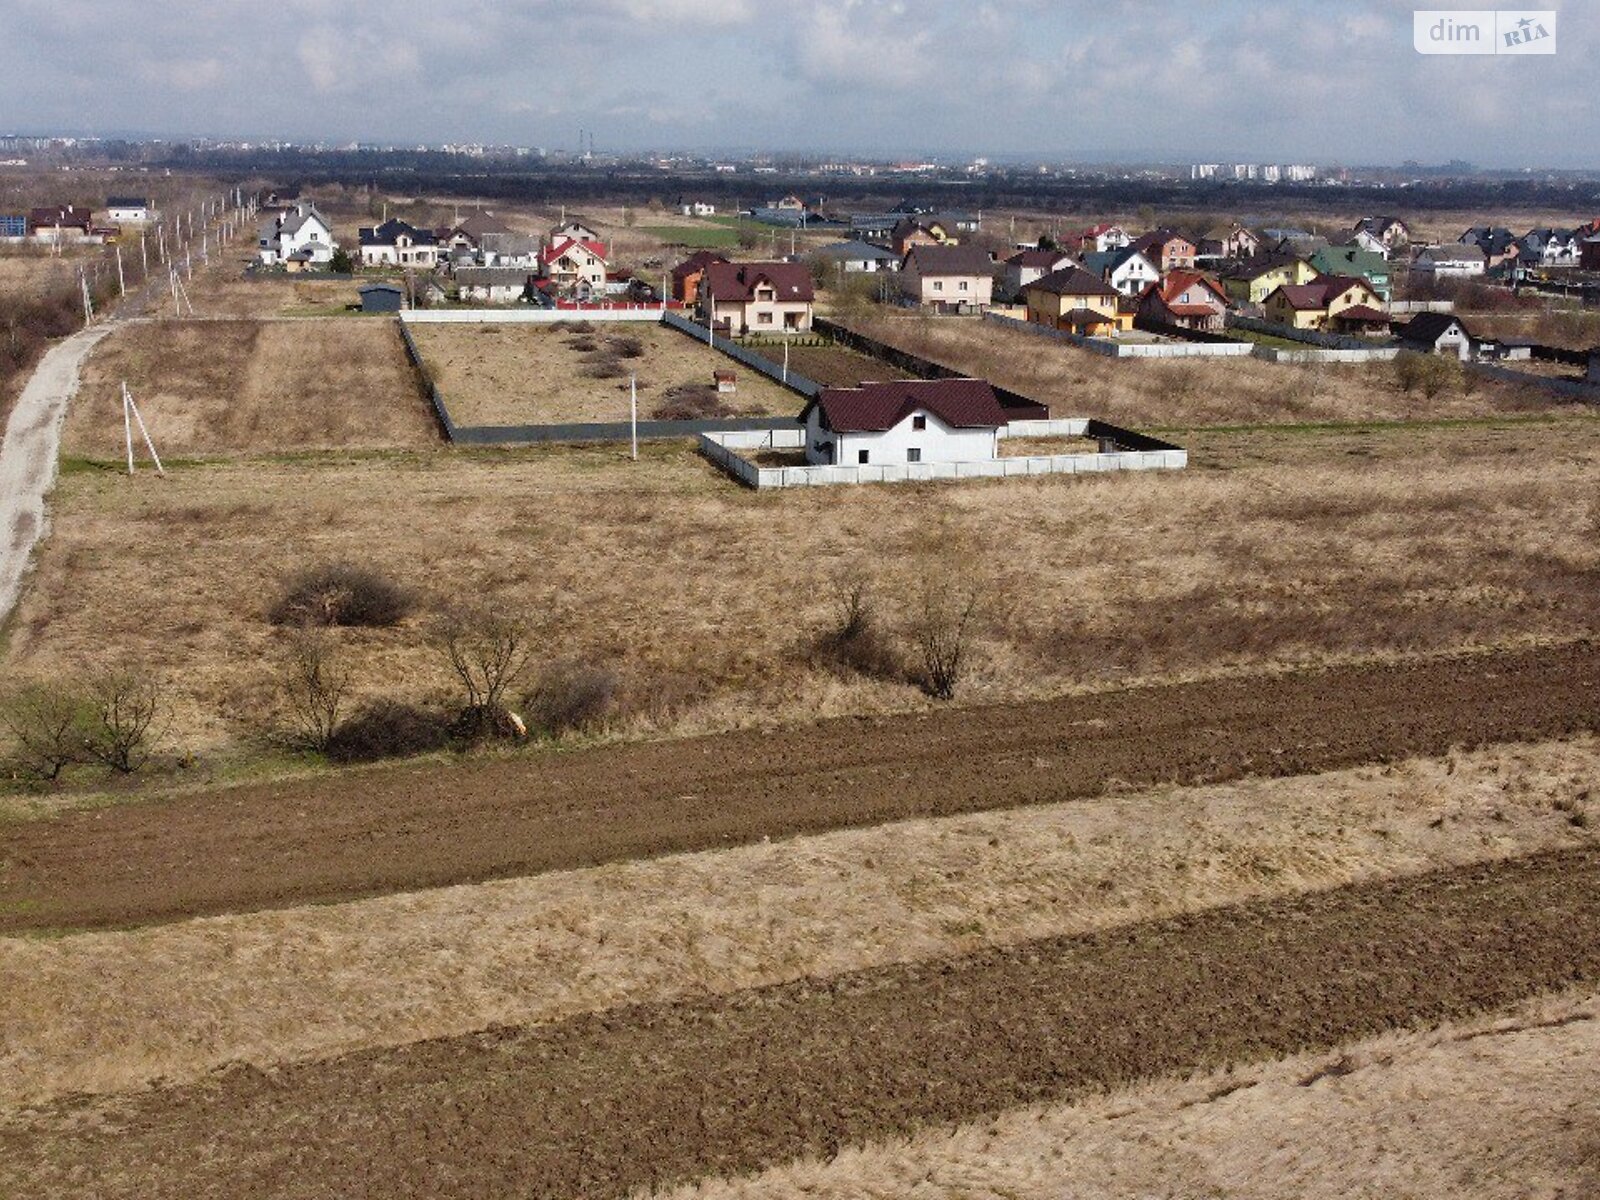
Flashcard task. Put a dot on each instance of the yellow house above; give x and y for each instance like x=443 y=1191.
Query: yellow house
x=1255 y=279
x=1317 y=305
x=1074 y=300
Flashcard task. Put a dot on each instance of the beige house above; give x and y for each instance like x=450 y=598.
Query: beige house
x=948 y=277
x=1331 y=302
x=1074 y=300
x=574 y=265
x=757 y=297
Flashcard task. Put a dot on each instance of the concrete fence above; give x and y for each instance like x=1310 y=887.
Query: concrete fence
x=759 y=363
x=729 y=450
x=1111 y=348
x=1400 y=308
x=1311 y=337
x=528 y=316
x=1278 y=354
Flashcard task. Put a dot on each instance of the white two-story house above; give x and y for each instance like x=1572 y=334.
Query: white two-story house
x=904 y=421
x=297 y=237
x=757 y=297
x=396 y=243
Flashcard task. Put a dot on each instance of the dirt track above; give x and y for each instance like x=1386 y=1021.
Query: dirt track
x=408 y=828
x=655 y=1093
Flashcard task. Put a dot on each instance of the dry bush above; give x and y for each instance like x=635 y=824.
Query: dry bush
x=692 y=402
x=48 y=726
x=315 y=684
x=341 y=594
x=1427 y=373
x=604 y=366
x=572 y=696
x=583 y=345
x=123 y=706
x=856 y=641
x=627 y=346
x=943 y=632
x=488 y=650
x=387 y=729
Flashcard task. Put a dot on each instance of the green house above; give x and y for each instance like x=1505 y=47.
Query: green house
x=1352 y=260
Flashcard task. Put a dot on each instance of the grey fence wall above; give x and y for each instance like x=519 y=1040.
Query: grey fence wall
x=1222 y=347
x=440 y=412
x=1311 y=337
x=1571 y=389
x=1404 y=307
x=756 y=362
x=1017 y=406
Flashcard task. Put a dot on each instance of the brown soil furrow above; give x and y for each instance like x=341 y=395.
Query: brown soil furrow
x=409 y=828
x=657 y=1093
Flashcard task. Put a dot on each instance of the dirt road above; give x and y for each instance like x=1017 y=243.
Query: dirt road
x=650 y=1094
x=406 y=828
x=28 y=456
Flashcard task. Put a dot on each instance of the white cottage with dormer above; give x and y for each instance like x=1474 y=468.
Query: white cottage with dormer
x=904 y=421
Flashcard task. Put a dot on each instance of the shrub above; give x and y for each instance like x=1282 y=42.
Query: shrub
x=856 y=640
x=341 y=594
x=626 y=346
x=488 y=650
x=571 y=695
x=943 y=629
x=1426 y=373
x=692 y=402
x=604 y=366
x=387 y=729
x=315 y=683
x=122 y=707
x=49 y=727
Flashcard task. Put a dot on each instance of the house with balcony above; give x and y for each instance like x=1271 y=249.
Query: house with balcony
x=1187 y=299
x=398 y=243
x=1077 y=301
x=948 y=278
x=1329 y=303
x=297 y=238
x=574 y=267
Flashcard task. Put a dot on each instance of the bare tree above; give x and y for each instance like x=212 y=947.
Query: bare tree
x=488 y=650
x=123 y=705
x=316 y=683
x=48 y=727
x=943 y=629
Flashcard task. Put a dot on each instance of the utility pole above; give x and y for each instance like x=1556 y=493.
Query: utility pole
x=144 y=258
x=122 y=285
x=633 y=409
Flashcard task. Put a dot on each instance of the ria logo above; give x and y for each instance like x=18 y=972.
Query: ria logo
x=1484 y=31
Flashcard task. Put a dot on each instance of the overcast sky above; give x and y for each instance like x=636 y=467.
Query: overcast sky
x=1302 y=80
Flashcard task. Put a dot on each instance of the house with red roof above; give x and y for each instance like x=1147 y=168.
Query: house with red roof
x=904 y=421
x=573 y=265
x=1099 y=238
x=1188 y=299
x=757 y=297
x=1168 y=249
x=687 y=274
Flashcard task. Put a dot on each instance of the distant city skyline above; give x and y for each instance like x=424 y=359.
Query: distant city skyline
x=1114 y=81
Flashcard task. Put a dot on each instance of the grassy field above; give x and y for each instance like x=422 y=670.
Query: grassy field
x=23 y=274
x=694 y=237
x=529 y=374
x=1186 y=392
x=107 y=1012
x=1293 y=545
x=222 y=387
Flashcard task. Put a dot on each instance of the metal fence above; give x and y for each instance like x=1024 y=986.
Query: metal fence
x=756 y=362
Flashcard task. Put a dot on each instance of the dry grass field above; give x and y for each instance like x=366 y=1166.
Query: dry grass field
x=536 y=374
x=111 y=1011
x=222 y=387
x=33 y=273
x=1499 y=1107
x=1275 y=547
x=220 y=289
x=1186 y=392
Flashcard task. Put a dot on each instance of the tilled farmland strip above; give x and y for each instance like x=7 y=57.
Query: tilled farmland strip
x=404 y=829
x=656 y=1093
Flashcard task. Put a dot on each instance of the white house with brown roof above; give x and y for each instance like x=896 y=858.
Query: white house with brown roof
x=903 y=421
x=757 y=297
x=574 y=265
x=1188 y=299
x=948 y=277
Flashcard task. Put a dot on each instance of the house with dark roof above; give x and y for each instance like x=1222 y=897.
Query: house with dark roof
x=1330 y=302
x=856 y=257
x=1437 y=333
x=1187 y=299
x=128 y=210
x=62 y=223
x=398 y=243
x=1498 y=244
x=1077 y=301
x=1391 y=231
x=1023 y=267
x=494 y=285
x=1128 y=270
x=904 y=421
x=296 y=237
x=1450 y=262
x=1098 y=238
x=1352 y=260
x=686 y=275
x=1252 y=281
x=1550 y=248
x=918 y=231
x=757 y=297
x=948 y=278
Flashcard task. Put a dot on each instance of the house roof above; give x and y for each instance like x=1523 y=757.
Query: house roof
x=1045 y=260
x=738 y=281
x=292 y=220
x=1158 y=237
x=906 y=226
x=697 y=262
x=127 y=202
x=1428 y=327
x=392 y=230
x=875 y=407
x=949 y=260
x=1361 y=312
x=489 y=276
x=564 y=245
x=1178 y=282
x=379 y=287
x=1254 y=268
x=1305 y=297
x=1071 y=281
x=853 y=250
x=1437 y=254
x=475 y=225
x=61 y=214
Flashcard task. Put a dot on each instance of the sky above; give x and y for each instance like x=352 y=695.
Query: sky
x=1323 y=81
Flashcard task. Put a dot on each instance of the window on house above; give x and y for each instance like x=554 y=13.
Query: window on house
x=938 y=285
x=913 y=454
x=861 y=457
x=963 y=285
x=919 y=422
x=764 y=318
